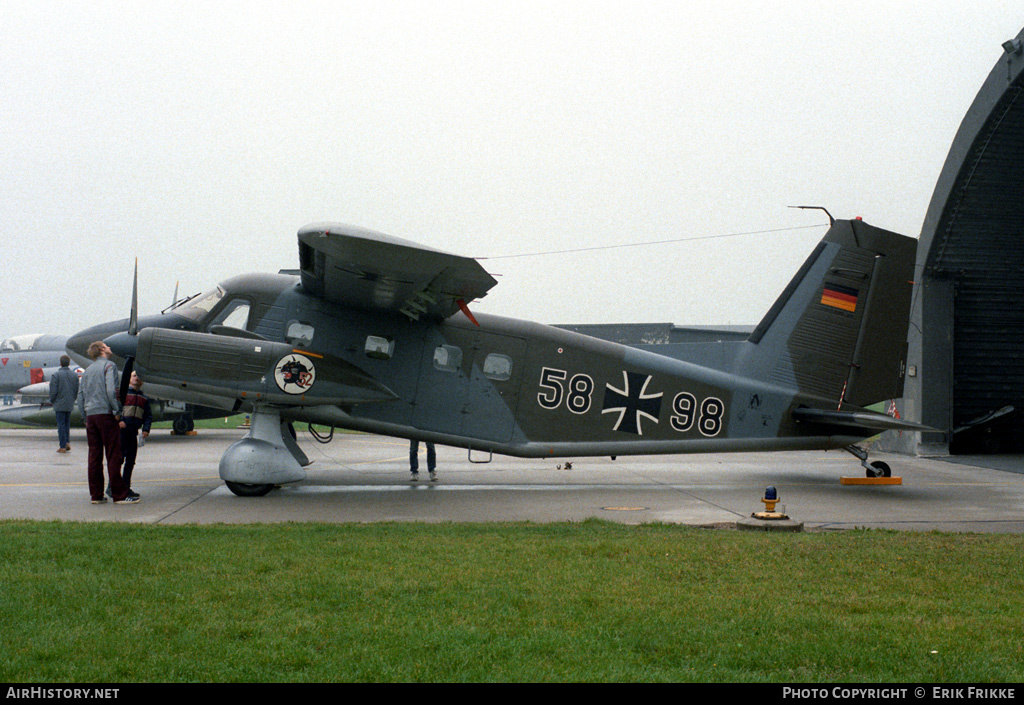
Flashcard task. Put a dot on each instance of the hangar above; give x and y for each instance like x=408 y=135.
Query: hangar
x=965 y=362
x=965 y=372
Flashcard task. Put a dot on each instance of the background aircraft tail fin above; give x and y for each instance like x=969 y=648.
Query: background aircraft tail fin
x=839 y=329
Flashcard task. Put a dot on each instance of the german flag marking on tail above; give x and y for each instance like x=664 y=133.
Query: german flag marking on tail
x=841 y=297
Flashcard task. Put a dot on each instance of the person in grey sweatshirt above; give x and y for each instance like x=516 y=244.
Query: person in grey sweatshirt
x=98 y=402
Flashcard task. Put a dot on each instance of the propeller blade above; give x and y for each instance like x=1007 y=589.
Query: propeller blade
x=133 y=321
x=126 y=379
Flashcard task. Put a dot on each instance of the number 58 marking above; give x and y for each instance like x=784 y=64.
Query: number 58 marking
x=577 y=394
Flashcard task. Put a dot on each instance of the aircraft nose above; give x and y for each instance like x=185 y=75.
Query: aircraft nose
x=115 y=334
x=78 y=344
x=75 y=347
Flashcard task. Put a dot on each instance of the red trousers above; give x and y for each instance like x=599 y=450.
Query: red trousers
x=103 y=433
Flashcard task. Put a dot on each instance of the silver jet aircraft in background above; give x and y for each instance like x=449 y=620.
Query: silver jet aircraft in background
x=29 y=360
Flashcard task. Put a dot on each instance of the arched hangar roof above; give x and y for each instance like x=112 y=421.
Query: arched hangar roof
x=971 y=259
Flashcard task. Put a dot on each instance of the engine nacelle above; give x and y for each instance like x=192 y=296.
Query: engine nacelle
x=250 y=370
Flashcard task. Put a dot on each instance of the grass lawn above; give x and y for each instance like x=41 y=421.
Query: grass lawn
x=593 y=601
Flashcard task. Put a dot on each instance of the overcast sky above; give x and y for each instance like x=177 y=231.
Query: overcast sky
x=199 y=137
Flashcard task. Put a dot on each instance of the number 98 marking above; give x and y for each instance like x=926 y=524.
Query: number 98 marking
x=684 y=407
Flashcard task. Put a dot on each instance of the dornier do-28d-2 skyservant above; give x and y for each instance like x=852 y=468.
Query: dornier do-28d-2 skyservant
x=374 y=333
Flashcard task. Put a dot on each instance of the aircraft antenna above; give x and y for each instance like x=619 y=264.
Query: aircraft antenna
x=655 y=242
x=831 y=220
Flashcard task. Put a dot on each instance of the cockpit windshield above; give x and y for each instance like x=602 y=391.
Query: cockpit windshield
x=198 y=307
x=19 y=343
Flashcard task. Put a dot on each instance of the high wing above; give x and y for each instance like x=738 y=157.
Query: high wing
x=357 y=267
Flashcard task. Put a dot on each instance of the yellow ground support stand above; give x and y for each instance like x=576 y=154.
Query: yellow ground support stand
x=871 y=480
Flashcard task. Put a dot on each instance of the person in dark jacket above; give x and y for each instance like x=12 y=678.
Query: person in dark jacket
x=63 y=393
x=136 y=417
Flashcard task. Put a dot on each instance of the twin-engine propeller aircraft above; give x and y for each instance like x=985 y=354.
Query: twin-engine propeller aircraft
x=374 y=334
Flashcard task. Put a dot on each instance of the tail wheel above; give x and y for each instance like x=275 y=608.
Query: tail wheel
x=879 y=469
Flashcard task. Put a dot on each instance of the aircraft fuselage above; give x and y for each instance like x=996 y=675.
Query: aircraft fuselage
x=507 y=386
x=526 y=389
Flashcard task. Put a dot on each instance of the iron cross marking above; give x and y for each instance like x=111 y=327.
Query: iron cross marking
x=632 y=403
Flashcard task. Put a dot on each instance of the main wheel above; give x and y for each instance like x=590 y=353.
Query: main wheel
x=990 y=443
x=880 y=469
x=243 y=490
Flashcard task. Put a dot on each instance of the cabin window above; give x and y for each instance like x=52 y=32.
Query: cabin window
x=498 y=367
x=379 y=347
x=299 y=334
x=447 y=358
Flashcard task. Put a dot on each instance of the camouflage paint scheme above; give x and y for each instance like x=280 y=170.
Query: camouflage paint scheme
x=374 y=333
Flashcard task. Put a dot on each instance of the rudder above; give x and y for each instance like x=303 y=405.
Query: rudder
x=839 y=329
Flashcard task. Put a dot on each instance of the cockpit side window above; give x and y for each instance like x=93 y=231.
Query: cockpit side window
x=234 y=315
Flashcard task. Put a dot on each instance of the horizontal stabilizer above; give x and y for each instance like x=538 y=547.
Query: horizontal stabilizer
x=857 y=419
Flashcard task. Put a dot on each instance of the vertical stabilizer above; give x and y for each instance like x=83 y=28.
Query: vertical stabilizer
x=839 y=330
